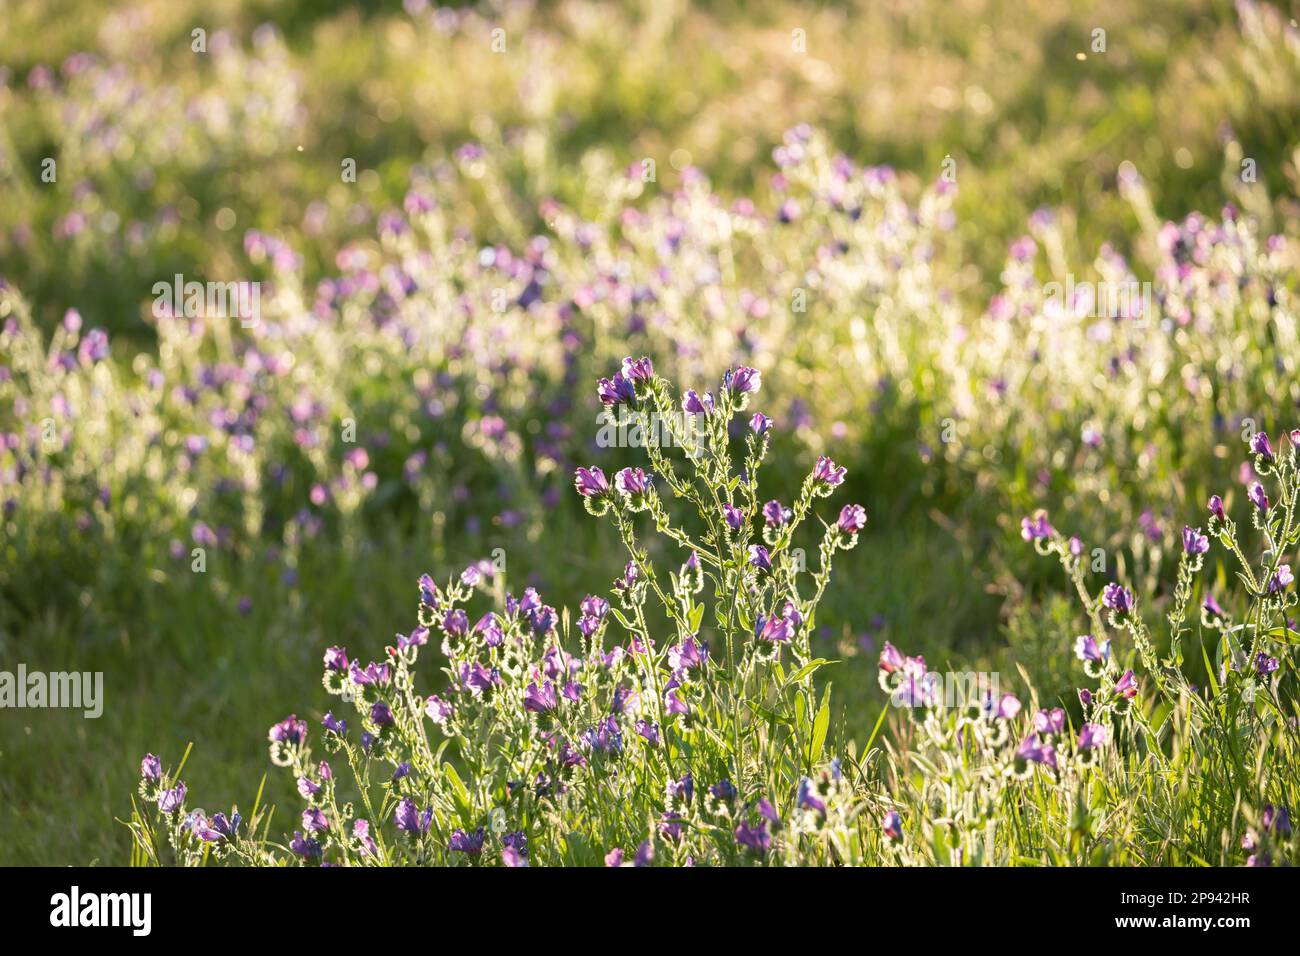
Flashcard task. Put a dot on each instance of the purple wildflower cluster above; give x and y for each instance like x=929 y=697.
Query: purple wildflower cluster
x=544 y=714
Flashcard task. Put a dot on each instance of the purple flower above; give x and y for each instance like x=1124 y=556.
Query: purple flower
x=648 y=731
x=1194 y=542
x=540 y=617
x=336 y=659
x=1257 y=495
x=471 y=844
x=1008 y=706
x=169 y=801
x=1260 y=446
x=755 y=838
x=1126 y=686
x=411 y=820
x=773 y=629
x=455 y=623
x=775 y=515
x=1087 y=648
x=513 y=856
x=743 y=381
x=93 y=348
x=1276 y=819
x=488 y=628
x=542 y=699
x=1036 y=527
x=616 y=391
x=807 y=798
x=1264 y=665
x=827 y=474
x=439 y=710
x=291 y=730
x=380 y=714
x=417 y=638
x=723 y=790
x=476 y=678
x=514 y=849
x=695 y=404
x=759 y=558
x=361 y=833
x=628 y=580
x=614 y=857
x=892 y=826
x=1049 y=721
x=1212 y=607
x=150 y=768
x=631 y=481
x=1281 y=579
x=304 y=846
x=760 y=424
x=1092 y=735
x=791 y=613
x=307 y=787
x=226 y=827
x=853 y=518
x=591 y=482
x=623 y=696
x=429 y=593
x=333 y=724
x=1117 y=598
x=638 y=370
x=1216 y=507
x=891 y=659
x=373 y=674
x=314 y=821
x=734 y=517
x=605 y=737
x=688 y=654
x=1030 y=751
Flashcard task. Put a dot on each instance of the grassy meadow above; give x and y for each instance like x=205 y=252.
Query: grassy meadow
x=459 y=220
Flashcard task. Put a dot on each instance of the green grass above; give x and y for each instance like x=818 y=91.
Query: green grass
x=995 y=84
x=188 y=667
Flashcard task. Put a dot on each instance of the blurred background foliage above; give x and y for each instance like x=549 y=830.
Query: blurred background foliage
x=168 y=159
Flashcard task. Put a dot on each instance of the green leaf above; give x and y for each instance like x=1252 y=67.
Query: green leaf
x=884 y=712
x=820 y=726
x=697 y=615
x=1283 y=634
x=771 y=715
x=1209 y=671
x=458 y=792
x=801 y=673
